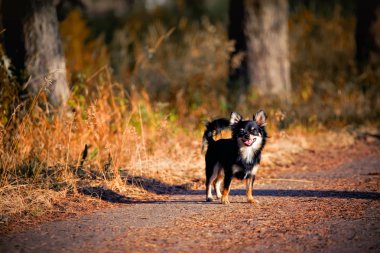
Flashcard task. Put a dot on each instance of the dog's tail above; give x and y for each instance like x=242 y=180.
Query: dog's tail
x=214 y=127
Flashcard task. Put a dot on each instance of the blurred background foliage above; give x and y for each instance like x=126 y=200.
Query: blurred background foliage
x=174 y=55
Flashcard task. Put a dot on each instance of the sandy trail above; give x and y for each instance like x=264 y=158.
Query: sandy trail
x=326 y=201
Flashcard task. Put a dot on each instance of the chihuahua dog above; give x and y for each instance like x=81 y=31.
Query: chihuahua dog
x=237 y=157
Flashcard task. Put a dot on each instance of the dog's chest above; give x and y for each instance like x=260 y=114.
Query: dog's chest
x=242 y=172
x=247 y=154
x=247 y=163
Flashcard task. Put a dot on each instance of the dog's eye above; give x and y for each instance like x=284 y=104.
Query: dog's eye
x=254 y=131
x=242 y=132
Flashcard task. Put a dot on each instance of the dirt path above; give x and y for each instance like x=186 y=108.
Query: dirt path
x=327 y=201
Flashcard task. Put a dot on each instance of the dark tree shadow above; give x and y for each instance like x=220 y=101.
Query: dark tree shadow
x=320 y=194
x=114 y=197
x=104 y=194
x=150 y=185
x=304 y=193
x=157 y=187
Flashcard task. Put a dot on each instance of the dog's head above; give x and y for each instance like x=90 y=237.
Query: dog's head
x=249 y=133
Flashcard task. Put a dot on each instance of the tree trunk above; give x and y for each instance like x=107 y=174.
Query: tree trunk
x=238 y=74
x=267 y=46
x=33 y=44
x=367 y=45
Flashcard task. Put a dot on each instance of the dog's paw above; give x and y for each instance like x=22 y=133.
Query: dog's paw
x=210 y=199
x=225 y=200
x=253 y=201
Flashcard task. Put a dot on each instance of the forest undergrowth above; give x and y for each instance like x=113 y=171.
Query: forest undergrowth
x=141 y=122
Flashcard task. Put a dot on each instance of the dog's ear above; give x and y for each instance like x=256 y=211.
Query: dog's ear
x=260 y=118
x=235 y=118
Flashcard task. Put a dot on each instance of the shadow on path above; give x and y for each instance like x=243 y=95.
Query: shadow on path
x=105 y=194
x=150 y=185
x=114 y=197
x=157 y=187
x=310 y=193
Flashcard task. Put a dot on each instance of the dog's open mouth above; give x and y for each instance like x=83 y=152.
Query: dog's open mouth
x=249 y=142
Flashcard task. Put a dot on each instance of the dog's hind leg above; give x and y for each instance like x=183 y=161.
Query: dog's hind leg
x=211 y=174
x=218 y=182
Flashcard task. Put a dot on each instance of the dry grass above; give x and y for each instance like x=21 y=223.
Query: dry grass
x=143 y=134
x=101 y=144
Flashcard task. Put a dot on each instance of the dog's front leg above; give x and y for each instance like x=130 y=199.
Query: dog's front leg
x=249 y=183
x=226 y=189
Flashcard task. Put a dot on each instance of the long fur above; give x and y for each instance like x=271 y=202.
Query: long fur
x=237 y=157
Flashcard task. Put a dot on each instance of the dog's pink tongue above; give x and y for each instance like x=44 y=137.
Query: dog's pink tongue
x=248 y=142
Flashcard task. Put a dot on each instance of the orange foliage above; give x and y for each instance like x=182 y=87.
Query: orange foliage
x=82 y=55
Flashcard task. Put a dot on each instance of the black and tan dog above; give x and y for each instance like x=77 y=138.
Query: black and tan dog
x=237 y=157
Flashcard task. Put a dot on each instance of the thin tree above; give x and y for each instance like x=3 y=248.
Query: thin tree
x=32 y=42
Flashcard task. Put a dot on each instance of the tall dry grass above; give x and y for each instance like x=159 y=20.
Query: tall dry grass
x=104 y=137
x=147 y=125
x=100 y=143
